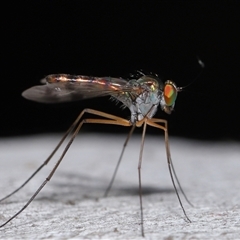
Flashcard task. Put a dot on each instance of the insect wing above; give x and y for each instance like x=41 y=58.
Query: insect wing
x=66 y=88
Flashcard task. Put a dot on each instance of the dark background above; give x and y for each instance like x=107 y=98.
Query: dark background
x=115 y=38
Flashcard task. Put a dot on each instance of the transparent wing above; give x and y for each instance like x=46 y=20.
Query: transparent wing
x=66 y=88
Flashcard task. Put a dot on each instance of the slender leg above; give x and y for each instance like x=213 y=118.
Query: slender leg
x=139 y=176
x=156 y=120
x=59 y=144
x=152 y=122
x=111 y=120
x=49 y=157
x=119 y=161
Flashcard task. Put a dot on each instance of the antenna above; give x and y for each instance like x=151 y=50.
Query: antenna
x=202 y=65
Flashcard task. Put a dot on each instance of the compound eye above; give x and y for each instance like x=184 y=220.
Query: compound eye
x=170 y=93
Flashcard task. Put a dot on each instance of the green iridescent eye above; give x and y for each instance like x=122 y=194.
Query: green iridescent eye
x=170 y=93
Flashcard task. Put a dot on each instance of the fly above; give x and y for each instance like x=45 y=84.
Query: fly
x=142 y=96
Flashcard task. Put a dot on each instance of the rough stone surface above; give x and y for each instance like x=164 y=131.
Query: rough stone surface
x=72 y=206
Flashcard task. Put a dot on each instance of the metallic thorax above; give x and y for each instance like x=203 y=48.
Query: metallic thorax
x=144 y=104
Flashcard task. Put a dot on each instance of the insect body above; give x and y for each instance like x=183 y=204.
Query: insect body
x=141 y=96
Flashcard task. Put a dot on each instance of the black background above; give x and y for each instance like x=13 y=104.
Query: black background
x=115 y=38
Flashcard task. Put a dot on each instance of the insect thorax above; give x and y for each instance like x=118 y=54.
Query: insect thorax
x=144 y=101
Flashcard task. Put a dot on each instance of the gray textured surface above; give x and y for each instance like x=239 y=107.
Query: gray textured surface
x=71 y=206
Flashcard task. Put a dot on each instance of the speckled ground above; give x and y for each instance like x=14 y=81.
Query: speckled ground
x=72 y=206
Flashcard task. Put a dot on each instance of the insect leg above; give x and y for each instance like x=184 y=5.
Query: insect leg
x=152 y=122
x=49 y=157
x=139 y=175
x=172 y=166
x=119 y=161
x=112 y=120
